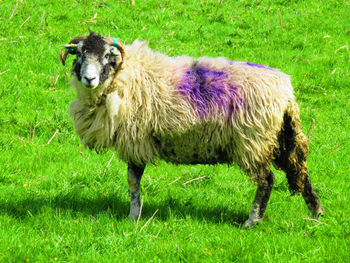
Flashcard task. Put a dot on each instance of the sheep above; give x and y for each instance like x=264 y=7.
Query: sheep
x=148 y=106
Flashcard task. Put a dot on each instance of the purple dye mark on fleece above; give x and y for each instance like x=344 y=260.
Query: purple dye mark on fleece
x=209 y=90
x=257 y=65
x=251 y=65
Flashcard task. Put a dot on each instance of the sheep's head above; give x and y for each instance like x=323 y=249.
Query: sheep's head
x=97 y=58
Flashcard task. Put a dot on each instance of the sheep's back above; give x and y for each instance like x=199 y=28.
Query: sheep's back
x=238 y=110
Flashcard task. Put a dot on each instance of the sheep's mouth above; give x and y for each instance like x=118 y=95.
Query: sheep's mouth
x=90 y=86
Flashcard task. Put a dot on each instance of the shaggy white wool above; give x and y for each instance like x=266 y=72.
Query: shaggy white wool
x=144 y=117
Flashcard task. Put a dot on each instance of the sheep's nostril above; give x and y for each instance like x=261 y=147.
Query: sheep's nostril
x=89 y=79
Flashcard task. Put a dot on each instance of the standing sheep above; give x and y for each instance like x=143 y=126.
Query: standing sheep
x=148 y=106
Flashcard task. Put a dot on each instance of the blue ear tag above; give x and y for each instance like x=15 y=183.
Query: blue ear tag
x=115 y=42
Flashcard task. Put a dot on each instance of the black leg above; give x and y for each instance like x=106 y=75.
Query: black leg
x=134 y=177
x=261 y=199
x=291 y=157
x=311 y=199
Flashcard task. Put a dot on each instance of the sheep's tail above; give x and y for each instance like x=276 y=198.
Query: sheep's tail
x=293 y=149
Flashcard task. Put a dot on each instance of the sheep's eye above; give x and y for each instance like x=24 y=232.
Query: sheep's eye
x=107 y=56
x=72 y=51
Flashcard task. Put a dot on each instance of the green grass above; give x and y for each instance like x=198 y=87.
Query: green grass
x=60 y=202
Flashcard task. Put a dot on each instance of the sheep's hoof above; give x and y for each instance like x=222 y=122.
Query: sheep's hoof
x=250 y=222
x=316 y=211
x=316 y=214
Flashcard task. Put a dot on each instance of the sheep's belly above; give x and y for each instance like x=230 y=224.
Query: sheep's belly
x=184 y=152
x=194 y=160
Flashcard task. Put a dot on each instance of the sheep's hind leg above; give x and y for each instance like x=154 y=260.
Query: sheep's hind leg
x=311 y=199
x=261 y=199
x=291 y=157
x=134 y=179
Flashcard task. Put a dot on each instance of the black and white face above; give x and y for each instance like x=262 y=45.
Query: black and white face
x=96 y=61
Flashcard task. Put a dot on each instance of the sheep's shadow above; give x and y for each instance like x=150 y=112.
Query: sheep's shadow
x=119 y=209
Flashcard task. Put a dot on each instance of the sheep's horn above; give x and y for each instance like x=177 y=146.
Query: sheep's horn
x=119 y=46
x=63 y=57
x=75 y=40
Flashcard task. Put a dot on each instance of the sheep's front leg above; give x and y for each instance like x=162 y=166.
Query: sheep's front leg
x=134 y=177
x=261 y=199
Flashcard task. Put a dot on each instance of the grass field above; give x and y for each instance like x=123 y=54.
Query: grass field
x=60 y=202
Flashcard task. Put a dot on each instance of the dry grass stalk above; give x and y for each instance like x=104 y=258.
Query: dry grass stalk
x=314 y=220
x=177 y=179
x=309 y=133
x=21 y=139
x=342 y=47
x=336 y=147
x=166 y=24
x=4 y=71
x=316 y=225
x=25 y=21
x=139 y=216
x=280 y=18
x=31 y=136
x=42 y=19
x=13 y=11
x=149 y=220
x=53 y=81
x=115 y=26
x=154 y=19
x=299 y=96
x=195 y=179
x=108 y=164
x=217 y=8
x=56 y=132
x=90 y=21
x=31 y=125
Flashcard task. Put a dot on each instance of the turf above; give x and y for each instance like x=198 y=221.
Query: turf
x=61 y=202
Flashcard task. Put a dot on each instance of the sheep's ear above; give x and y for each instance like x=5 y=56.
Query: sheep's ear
x=71 y=48
x=119 y=46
